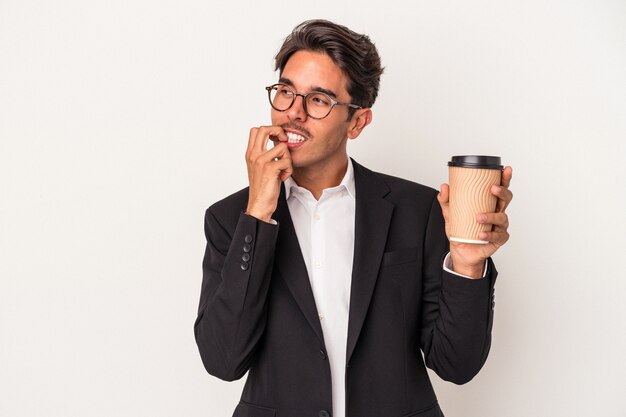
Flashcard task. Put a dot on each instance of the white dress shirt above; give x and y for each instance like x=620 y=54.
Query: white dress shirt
x=325 y=231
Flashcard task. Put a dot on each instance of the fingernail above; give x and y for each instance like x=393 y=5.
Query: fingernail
x=498 y=189
x=482 y=218
x=482 y=235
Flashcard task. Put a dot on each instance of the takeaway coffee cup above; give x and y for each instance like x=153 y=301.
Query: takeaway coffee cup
x=471 y=178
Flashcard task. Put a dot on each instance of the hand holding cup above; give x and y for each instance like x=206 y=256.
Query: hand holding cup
x=473 y=207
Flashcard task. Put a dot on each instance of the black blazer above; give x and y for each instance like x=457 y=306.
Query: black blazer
x=257 y=312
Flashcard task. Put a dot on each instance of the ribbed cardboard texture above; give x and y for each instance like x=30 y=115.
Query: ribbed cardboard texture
x=470 y=194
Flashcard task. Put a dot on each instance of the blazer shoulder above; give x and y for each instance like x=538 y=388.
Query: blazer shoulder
x=395 y=185
x=403 y=183
x=403 y=188
x=229 y=208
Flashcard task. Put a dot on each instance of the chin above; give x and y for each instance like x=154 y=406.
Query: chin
x=297 y=162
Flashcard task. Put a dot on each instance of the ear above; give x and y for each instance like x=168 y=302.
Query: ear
x=360 y=119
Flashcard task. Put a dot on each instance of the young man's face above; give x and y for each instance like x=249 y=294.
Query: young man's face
x=324 y=146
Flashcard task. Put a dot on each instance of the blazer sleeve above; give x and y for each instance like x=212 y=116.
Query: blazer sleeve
x=236 y=273
x=457 y=312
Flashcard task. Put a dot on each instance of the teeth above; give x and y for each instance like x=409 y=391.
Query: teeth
x=295 y=138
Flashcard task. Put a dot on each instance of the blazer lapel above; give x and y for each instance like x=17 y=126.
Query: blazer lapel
x=372 y=219
x=290 y=262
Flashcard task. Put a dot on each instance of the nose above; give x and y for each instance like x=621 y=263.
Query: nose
x=297 y=111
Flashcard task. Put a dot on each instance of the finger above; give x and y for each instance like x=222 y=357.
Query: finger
x=251 y=139
x=284 y=167
x=502 y=193
x=263 y=136
x=285 y=174
x=497 y=237
x=444 y=198
x=504 y=197
x=444 y=194
x=500 y=220
x=279 y=151
x=507 y=174
x=277 y=162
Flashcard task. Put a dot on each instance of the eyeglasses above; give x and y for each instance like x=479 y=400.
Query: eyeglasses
x=316 y=105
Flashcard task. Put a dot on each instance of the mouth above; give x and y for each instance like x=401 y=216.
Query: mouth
x=295 y=138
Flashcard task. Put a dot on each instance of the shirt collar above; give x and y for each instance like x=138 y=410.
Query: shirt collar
x=347 y=182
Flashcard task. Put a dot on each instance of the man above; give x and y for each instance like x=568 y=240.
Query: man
x=324 y=279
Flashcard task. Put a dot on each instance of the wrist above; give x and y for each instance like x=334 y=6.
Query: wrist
x=263 y=215
x=468 y=269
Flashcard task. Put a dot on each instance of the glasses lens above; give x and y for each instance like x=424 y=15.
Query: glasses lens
x=281 y=96
x=318 y=105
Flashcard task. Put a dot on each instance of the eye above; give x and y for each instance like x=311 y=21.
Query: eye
x=284 y=91
x=318 y=99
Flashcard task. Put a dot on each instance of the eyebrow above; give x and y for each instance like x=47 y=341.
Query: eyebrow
x=287 y=81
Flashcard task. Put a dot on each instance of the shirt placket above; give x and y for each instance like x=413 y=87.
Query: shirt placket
x=318 y=235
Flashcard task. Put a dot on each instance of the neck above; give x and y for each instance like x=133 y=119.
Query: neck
x=317 y=179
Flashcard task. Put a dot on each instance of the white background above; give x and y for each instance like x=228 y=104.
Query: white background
x=122 y=120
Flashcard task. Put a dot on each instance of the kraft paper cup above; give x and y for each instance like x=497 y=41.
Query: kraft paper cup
x=471 y=178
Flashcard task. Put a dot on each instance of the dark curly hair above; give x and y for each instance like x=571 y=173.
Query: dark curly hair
x=353 y=53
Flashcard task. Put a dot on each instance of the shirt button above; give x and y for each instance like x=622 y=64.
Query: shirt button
x=318 y=265
x=244 y=266
x=322 y=354
x=247 y=248
x=248 y=238
x=317 y=216
x=245 y=257
x=323 y=413
x=321 y=317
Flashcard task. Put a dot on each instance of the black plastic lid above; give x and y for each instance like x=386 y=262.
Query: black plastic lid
x=476 y=161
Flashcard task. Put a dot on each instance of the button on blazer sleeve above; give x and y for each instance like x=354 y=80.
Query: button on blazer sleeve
x=457 y=312
x=237 y=269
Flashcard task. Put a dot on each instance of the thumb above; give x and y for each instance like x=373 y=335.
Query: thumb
x=444 y=194
x=285 y=174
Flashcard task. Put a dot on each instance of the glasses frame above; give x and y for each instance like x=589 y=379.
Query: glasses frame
x=304 y=96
